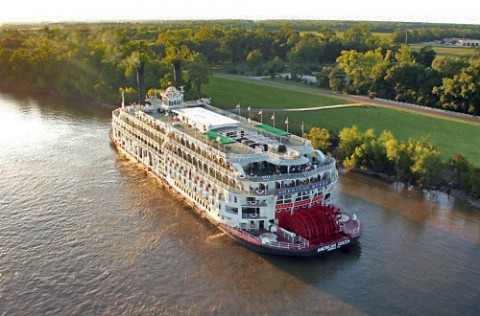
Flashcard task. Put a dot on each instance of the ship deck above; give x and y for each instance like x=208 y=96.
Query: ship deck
x=252 y=135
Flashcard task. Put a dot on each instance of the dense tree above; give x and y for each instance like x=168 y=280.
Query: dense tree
x=254 y=59
x=464 y=175
x=365 y=71
x=177 y=57
x=336 y=79
x=462 y=92
x=427 y=164
x=322 y=76
x=93 y=61
x=206 y=42
x=349 y=139
x=414 y=161
x=308 y=49
x=198 y=71
x=425 y=56
x=284 y=40
x=231 y=45
x=320 y=138
x=274 y=66
x=449 y=66
x=136 y=55
x=360 y=38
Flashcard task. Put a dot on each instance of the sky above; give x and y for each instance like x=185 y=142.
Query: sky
x=459 y=11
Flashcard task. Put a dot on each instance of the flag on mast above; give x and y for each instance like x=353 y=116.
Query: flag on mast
x=260 y=113
x=239 y=110
x=286 y=121
x=273 y=116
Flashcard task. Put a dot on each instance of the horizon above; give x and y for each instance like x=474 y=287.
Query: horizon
x=91 y=11
x=146 y=21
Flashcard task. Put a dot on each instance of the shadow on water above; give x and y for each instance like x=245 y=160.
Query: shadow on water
x=49 y=105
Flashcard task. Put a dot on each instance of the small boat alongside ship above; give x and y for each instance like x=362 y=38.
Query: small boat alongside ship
x=264 y=187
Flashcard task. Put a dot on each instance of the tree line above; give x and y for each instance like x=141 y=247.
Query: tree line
x=397 y=73
x=414 y=161
x=93 y=61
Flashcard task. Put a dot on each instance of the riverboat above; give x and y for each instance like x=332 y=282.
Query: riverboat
x=264 y=187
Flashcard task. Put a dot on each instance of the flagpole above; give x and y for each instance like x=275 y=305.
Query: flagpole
x=303 y=133
x=249 y=113
x=261 y=116
x=273 y=119
x=286 y=122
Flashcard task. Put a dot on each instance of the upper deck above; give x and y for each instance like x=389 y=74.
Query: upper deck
x=246 y=141
x=251 y=149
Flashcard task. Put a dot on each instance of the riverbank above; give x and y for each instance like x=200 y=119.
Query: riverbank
x=460 y=194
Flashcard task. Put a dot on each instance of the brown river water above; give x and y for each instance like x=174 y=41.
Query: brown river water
x=84 y=231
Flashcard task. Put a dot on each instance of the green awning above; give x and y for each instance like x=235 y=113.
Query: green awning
x=219 y=138
x=273 y=130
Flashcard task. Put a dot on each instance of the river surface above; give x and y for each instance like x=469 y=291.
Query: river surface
x=84 y=231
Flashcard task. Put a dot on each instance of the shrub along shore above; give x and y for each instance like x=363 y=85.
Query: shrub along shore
x=415 y=161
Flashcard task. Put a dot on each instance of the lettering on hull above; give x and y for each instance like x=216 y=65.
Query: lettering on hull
x=334 y=246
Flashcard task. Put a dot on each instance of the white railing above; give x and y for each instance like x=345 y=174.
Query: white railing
x=354 y=231
x=292 y=176
x=298 y=242
x=286 y=245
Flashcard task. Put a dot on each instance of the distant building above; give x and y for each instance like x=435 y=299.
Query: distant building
x=308 y=79
x=464 y=42
x=468 y=42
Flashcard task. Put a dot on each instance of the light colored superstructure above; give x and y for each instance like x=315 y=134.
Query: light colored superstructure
x=245 y=176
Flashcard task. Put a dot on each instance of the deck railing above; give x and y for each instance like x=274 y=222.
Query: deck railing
x=329 y=166
x=297 y=242
x=354 y=231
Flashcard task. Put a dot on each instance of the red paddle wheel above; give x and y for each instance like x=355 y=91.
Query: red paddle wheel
x=317 y=223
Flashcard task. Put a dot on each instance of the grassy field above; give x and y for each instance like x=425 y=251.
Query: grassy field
x=227 y=93
x=448 y=136
x=295 y=83
x=447 y=51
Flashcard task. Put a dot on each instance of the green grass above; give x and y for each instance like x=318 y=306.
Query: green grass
x=295 y=83
x=448 y=136
x=447 y=51
x=227 y=93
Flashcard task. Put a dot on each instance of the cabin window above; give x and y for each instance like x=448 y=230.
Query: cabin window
x=284 y=199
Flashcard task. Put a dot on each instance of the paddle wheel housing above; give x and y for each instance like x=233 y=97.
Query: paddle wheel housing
x=318 y=224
